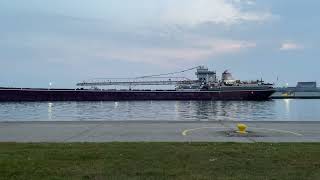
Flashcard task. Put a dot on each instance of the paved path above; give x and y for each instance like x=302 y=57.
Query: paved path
x=157 y=131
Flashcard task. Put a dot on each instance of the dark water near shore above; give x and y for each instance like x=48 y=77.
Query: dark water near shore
x=274 y=110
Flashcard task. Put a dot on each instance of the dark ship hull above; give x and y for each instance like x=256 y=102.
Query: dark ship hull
x=28 y=94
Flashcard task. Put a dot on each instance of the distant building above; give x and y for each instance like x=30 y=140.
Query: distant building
x=307 y=90
x=307 y=85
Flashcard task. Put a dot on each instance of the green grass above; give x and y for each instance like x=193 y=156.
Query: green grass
x=160 y=161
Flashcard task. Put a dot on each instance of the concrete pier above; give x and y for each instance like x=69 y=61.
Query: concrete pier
x=127 y=131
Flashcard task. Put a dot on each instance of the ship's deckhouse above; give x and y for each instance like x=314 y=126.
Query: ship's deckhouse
x=205 y=76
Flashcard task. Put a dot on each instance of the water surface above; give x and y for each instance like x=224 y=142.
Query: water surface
x=274 y=110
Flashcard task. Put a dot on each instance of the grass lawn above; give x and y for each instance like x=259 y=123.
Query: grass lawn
x=160 y=161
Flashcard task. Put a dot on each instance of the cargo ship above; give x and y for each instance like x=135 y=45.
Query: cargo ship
x=207 y=86
x=303 y=90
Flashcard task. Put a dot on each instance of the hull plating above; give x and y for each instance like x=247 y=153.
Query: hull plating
x=98 y=95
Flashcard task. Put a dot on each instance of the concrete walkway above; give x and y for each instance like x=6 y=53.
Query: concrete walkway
x=158 y=131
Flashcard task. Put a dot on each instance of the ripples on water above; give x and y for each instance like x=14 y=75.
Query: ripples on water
x=274 y=110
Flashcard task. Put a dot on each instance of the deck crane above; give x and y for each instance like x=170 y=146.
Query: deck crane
x=154 y=80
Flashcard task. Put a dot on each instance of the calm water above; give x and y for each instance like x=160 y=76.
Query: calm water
x=275 y=110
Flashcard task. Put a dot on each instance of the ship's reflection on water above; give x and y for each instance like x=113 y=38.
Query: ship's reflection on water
x=50 y=110
x=225 y=110
x=273 y=110
x=287 y=105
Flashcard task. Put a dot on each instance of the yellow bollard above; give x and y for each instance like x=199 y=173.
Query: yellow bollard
x=242 y=128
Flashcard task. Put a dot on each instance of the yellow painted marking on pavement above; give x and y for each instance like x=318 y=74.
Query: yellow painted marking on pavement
x=185 y=132
x=279 y=130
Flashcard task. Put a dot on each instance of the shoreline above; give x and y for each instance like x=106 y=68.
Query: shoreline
x=151 y=131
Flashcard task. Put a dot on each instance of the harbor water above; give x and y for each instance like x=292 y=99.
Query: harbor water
x=273 y=110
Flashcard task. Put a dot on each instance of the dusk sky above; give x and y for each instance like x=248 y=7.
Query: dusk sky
x=66 y=41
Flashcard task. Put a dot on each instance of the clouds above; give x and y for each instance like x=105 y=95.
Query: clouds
x=290 y=46
x=195 y=53
x=68 y=40
x=146 y=12
x=151 y=31
x=191 y=12
x=148 y=49
x=97 y=38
